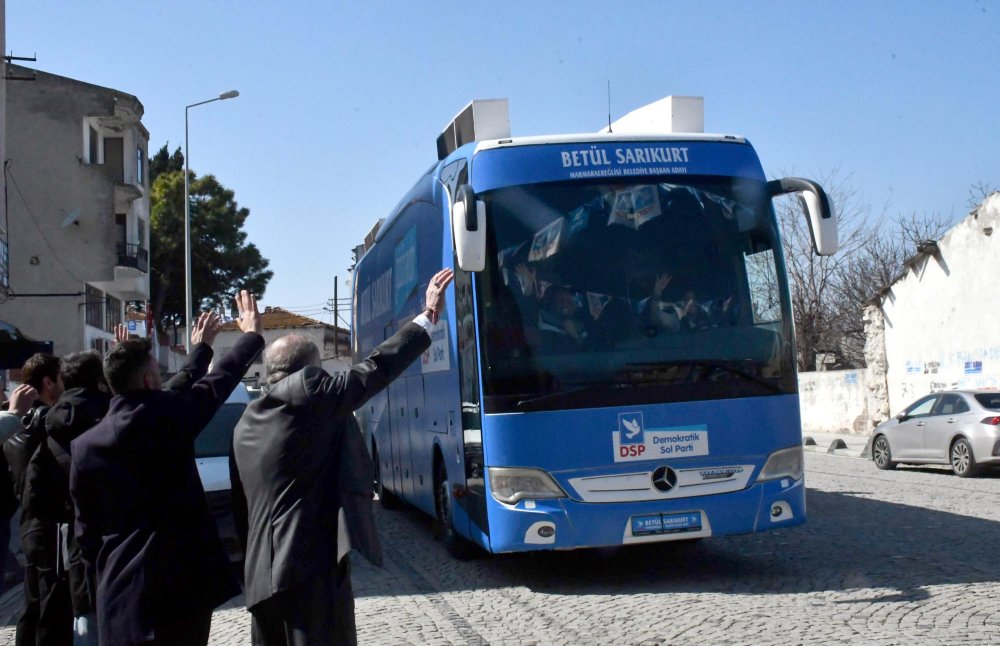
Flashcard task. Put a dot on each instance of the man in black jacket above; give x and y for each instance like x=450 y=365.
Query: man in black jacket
x=45 y=496
x=21 y=401
x=46 y=493
x=142 y=521
x=306 y=474
x=43 y=372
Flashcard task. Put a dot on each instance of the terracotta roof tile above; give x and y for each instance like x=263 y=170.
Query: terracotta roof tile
x=278 y=318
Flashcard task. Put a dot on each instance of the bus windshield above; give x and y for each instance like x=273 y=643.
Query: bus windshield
x=666 y=289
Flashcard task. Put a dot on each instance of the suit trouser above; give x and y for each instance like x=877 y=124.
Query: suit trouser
x=318 y=613
x=27 y=623
x=47 y=619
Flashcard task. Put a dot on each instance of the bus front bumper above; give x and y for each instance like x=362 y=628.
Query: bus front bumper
x=565 y=523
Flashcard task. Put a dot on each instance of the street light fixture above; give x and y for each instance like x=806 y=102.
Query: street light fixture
x=188 y=305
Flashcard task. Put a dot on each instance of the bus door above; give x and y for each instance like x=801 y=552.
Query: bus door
x=391 y=423
x=414 y=440
x=399 y=432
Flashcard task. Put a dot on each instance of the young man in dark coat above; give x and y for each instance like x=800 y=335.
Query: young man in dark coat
x=46 y=491
x=142 y=520
x=43 y=372
x=306 y=477
x=21 y=401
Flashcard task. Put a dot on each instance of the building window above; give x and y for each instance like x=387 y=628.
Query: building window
x=140 y=232
x=94 y=306
x=101 y=346
x=140 y=158
x=93 y=148
x=112 y=314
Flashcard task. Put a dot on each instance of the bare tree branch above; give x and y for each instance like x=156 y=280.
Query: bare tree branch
x=828 y=292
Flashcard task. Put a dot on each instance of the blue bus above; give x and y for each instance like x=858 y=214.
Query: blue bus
x=616 y=364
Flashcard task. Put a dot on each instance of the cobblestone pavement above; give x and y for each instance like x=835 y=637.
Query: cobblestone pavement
x=904 y=557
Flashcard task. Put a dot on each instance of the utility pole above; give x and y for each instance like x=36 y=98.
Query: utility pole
x=336 y=330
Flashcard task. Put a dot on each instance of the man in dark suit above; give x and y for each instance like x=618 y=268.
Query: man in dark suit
x=142 y=521
x=306 y=476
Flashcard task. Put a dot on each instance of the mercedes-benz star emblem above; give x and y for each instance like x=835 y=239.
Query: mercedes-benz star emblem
x=664 y=479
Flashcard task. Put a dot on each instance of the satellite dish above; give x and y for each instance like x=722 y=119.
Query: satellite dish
x=73 y=216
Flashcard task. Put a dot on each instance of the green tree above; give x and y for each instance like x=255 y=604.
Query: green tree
x=222 y=261
x=163 y=162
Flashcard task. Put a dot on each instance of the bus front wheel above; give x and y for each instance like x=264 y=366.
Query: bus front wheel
x=444 y=527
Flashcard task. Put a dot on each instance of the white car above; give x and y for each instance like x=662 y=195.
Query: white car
x=959 y=427
x=211 y=451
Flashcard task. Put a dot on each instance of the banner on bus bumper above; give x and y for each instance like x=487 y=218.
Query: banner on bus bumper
x=633 y=442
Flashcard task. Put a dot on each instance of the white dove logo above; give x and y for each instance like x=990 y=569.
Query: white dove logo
x=632 y=428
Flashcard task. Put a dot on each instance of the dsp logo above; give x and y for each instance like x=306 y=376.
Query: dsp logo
x=631 y=450
x=631 y=438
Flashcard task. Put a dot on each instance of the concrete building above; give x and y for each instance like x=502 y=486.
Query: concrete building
x=78 y=209
x=334 y=343
x=4 y=278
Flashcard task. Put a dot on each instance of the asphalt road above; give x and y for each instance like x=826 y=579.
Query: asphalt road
x=903 y=557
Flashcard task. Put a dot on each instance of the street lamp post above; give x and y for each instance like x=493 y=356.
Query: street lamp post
x=188 y=305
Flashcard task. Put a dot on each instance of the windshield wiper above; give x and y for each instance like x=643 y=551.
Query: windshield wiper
x=710 y=365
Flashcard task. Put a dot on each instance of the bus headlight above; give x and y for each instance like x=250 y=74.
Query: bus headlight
x=786 y=463
x=510 y=485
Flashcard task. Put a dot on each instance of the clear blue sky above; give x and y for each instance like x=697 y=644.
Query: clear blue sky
x=341 y=102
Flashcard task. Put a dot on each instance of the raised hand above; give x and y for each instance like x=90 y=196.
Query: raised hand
x=662 y=280
x=121 y=333
x=434 y=298
x=249 y=320
x=206 y=328
x=21 y=399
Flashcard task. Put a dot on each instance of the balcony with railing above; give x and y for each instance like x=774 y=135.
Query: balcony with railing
x=133 y=255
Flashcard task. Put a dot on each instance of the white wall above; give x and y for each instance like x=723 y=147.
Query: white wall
x=834 y=401
x=942 y=319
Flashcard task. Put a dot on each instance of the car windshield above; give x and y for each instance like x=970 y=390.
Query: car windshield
x=604 y=294
x=989 y=400
x=215 y=440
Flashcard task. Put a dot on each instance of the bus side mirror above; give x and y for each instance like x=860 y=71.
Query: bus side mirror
x=819 y=211
x=468 y=229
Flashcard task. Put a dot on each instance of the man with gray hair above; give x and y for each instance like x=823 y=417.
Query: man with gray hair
x=306 y=477
x=288 y=355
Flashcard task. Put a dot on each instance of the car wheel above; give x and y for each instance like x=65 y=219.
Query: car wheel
x=386 y=499
x=456 y=545
x=881 y=454
x=963 y=461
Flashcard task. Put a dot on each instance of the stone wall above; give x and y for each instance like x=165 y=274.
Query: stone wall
x=878 y=365
x=941 y=316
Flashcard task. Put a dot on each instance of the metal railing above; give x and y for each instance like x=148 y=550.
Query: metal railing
x=133 y=255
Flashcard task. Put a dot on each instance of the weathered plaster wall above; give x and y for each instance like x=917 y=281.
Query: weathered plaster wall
x=942 y=319
x=878 y=365
x=834 y=401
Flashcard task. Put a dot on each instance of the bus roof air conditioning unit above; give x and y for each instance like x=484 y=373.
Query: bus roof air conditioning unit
x=481 y=119
x=673 y=114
